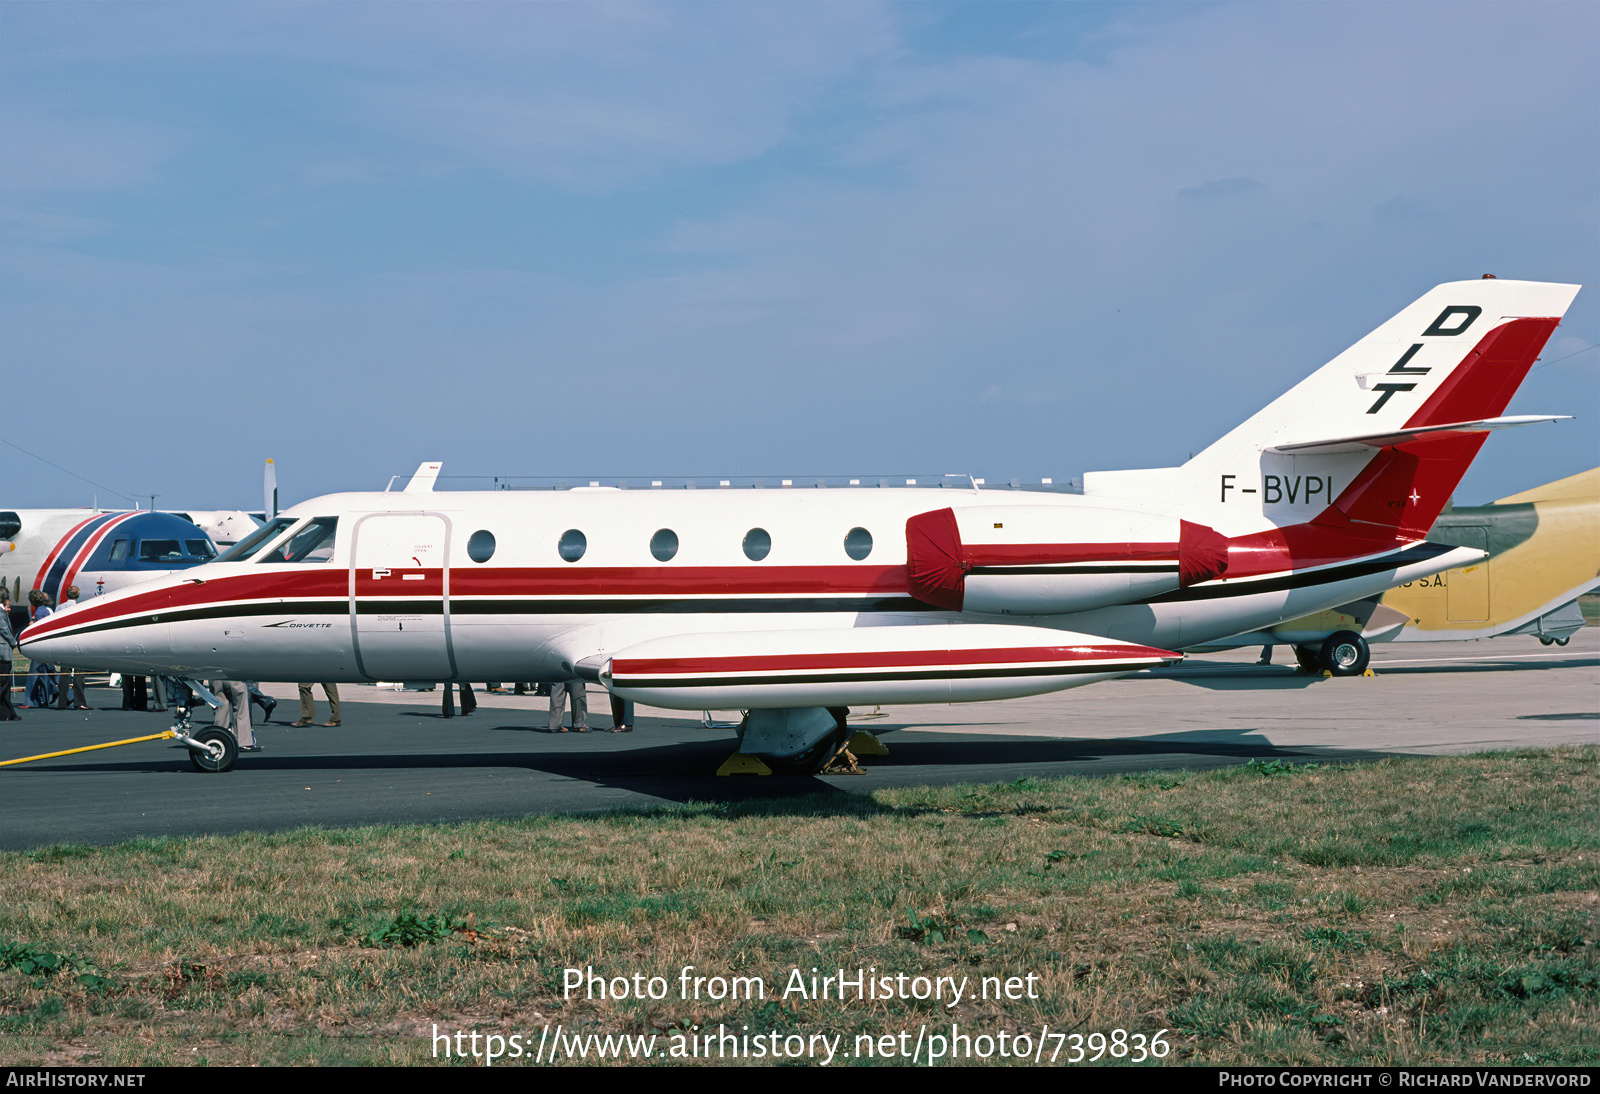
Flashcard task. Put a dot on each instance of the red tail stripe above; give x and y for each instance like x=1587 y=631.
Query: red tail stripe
x=1482 y=385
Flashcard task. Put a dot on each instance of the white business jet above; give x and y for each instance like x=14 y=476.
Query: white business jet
x=792 y=604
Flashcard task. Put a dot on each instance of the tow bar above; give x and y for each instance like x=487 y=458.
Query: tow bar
x=211 y=750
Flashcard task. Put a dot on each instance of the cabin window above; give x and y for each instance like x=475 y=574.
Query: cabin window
x=757 y=544
x=572 y=545
x=480 y=546
x=664 y=544
x=858 y=543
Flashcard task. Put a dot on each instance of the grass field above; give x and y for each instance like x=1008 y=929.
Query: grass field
x=1420 y=910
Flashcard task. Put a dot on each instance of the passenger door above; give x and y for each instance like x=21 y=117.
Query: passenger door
x=400 y=597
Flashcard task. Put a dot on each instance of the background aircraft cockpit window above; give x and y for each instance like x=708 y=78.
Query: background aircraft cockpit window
x=756 y=544
x=858 y=543
x=313 y=543
x=480 y=546
x=573 y=544
x=201 y=548
x=160 y=550
x=256 y=540
x=119 y=550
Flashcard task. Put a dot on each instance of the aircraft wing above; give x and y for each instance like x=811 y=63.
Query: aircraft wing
x=959 y=662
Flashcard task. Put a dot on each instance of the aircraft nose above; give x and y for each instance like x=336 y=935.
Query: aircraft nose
x=50 y=650
x=131 y=649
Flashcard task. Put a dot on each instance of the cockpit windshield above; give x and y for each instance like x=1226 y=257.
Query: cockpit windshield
x=160 y=550
x=256 y=540
x=313 y=543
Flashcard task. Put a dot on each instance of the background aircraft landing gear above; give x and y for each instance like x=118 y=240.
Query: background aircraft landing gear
x=219 y=752
x=1345 y=653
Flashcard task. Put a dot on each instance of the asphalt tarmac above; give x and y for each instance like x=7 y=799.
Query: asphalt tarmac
x=396 y=759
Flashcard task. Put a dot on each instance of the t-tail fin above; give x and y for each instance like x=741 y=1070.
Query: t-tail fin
x=1373 y=443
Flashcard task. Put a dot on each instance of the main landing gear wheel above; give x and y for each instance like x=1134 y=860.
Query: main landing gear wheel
x=1345 y=653
x=1543 y=641
x=220 y=751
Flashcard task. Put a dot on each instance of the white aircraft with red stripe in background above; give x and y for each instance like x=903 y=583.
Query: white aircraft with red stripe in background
x=793 y=604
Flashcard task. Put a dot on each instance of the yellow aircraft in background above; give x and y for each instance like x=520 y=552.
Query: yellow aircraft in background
x=1544 y=552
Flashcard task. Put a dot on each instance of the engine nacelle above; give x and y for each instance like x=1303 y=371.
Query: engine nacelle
x=1048 y=560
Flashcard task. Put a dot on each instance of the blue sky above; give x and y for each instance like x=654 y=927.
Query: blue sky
x=597 y=240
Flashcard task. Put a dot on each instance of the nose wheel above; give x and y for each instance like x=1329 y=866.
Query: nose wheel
x=213 y=751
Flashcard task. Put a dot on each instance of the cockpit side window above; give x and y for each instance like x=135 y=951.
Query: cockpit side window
x=313 y=543
x=201 y=549
x=256 y=540
x=119 y=550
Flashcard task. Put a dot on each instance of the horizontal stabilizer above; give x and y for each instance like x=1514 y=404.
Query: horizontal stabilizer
x=1401 y=436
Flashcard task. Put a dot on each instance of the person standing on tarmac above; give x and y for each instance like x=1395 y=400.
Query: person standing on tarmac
x=559 y=691
x=308 y=706
x=8 y=642
x=41 y=677
x=69 y=693
x=234 y=712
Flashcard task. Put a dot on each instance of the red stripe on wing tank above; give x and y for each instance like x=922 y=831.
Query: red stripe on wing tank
x=1025 y=655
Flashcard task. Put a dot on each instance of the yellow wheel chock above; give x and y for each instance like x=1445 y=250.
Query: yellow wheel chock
x=863 y=743
x=742 y=763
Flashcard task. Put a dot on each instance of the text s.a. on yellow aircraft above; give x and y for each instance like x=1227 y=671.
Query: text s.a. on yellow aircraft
x=1544 y=552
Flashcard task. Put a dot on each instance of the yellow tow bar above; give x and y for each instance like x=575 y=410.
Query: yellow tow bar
x=91 y=748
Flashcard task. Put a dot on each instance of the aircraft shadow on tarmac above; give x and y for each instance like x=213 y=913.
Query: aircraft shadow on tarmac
x=682 y=771
x=1221 y=676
